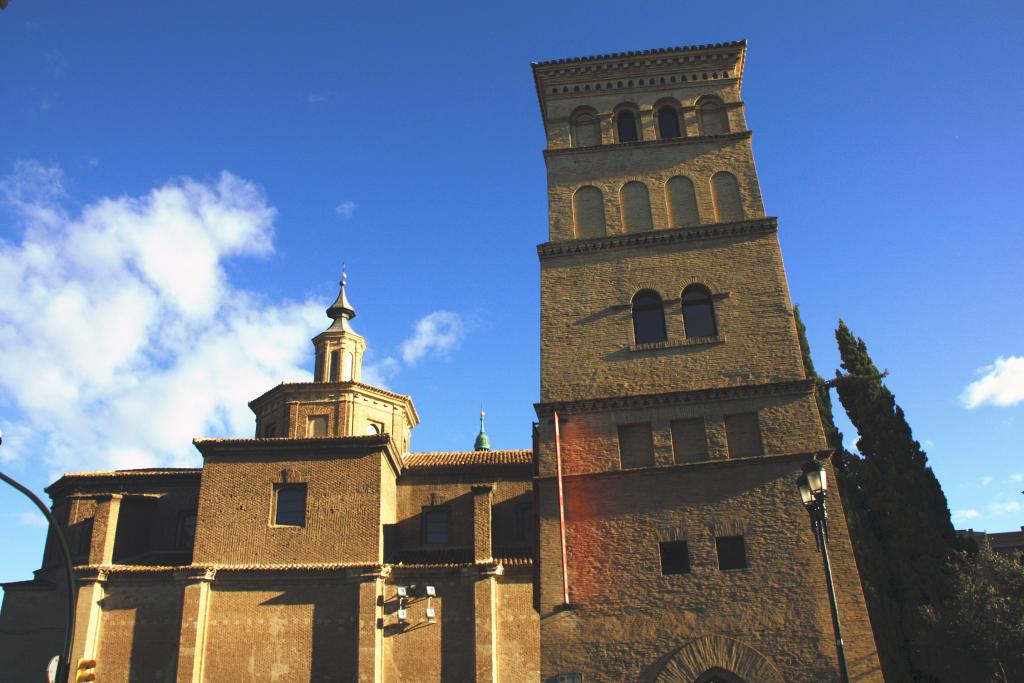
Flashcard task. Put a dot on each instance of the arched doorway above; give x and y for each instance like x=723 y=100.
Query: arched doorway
x=718 y=659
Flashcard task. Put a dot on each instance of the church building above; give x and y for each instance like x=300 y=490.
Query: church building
x=653 y=532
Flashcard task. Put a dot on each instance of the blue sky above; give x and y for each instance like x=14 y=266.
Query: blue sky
x=181 y=182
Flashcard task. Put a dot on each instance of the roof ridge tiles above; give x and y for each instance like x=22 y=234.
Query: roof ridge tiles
x=639 y=53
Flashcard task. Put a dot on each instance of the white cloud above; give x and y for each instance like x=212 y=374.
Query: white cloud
x=1001 y=384
x=122 y=337
x=1003 y=507
x=960 y=516
x=1017 y=477
x=346 y=209
x=318 y=97
x=32 y=518
x=985 y=481
x=435 y=333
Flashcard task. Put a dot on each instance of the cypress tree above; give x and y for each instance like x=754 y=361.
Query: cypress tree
x=903 y=515
x=874 y=573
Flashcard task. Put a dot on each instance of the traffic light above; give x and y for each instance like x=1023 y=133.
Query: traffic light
x=84 y=670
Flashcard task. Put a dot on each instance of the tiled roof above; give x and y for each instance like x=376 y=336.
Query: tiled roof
x=640 y=53
x=147 y=472
x=469 y=459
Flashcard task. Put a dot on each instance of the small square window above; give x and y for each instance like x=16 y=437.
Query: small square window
x=316 y=425
x=675 y=558
x=732 y=552
x=636 y=445
x=290 y=504
x=743 y=434
x=435 y=525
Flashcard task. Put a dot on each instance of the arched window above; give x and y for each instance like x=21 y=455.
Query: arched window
x=586 y=129
x=625 y=125
x=712 y=116
x=636 y=207
x=725 y=192
x=588 y=212
x=698 y=313
x=717 y=675
x=648 y=318
x=682 y=202
x=668 y=122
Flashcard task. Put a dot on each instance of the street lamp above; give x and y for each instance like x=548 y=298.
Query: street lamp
x=813 y=486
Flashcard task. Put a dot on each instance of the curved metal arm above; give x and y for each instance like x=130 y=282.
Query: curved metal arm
x=64 y=666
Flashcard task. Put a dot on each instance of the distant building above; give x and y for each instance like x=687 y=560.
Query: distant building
x=1003 y=542
x=674 y=419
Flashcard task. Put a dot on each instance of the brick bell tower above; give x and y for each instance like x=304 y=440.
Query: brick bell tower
x=671 y=364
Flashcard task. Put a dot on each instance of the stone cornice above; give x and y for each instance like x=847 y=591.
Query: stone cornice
x=620 y=146
x=654 y=52
x=717 y=463
x=596 y=405
x=757 y=226
x=311 y=391
x=142 y=477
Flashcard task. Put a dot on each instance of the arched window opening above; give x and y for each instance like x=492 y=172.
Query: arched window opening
x=712 y=117
x=668 y=122
x=636 y=207
x=682 y=202
x=648 y=318
x=725 y=192
x=625 y=124
x=698 y=313
x=717 y=675
x=588 y=212
x=586 y=129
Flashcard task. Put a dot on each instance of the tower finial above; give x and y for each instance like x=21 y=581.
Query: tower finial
x=483 y=443
x=341 y=310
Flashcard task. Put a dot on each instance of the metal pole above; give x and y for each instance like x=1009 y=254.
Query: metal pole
x=822 y=534
x=64 y=665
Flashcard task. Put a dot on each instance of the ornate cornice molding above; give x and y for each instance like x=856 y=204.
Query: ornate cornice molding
x=597 y=405
x=619 y=146
x=757 y=226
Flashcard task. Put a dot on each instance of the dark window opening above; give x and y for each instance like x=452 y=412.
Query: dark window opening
x=668 y=123
x=186 y=530
x=698 y=313
x=335 y=365
x=290 y=504
x=675 y=558
x=732 y=552
x=626 y=125
x=435 y=525
x=524 y=522
x=648 y=318
x=636 y=445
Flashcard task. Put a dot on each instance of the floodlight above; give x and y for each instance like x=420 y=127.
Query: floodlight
x=403 y=592
x=431 y=614
x=431 y=591
x=403 y=615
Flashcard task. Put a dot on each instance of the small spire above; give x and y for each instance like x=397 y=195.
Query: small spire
x=482 y=442
x=341 y=310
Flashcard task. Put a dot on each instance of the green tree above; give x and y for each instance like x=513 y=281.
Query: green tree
x=870 y=556
x=977 y=633
x=903 y=513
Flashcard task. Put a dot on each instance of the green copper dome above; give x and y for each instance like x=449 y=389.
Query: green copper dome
x=482 y=442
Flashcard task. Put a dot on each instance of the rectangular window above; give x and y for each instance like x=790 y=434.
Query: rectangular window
x=316 y=425
x=732 y=552
x=689 y=440
x=290 y=504
x=524 y=522
x=675 y=557
x=743 y=434
x=335 y=365
x=186 y=529
x=636 y=445
x=435 y=525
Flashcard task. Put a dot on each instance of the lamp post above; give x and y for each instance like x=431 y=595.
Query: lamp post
x=813 y=485
x=64 y=663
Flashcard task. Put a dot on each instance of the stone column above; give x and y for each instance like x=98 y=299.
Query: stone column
x=88 y=615
x=486 y=624
x=482 y=547
x=648 y=128
x=370 y=625
x=195 y=610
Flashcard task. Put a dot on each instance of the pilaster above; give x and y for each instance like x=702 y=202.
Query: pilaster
x=104 y=529
x=88 y=615
x=195 y=609
x=486 y=624
x=369 y=626
x=483 y=550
